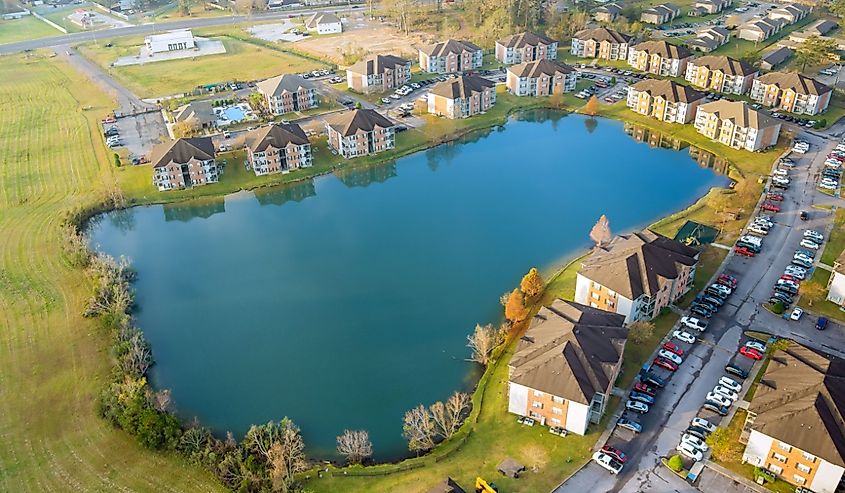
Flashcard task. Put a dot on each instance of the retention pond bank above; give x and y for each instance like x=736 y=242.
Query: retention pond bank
x=344 y=301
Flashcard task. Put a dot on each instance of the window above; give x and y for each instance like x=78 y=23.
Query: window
x=557 y=410
x=779 y=458
x=775 y=469
x=799 y=479
x=537 y=393
x=611 y=292
x=785 y=446
x=803 y=468
x=595 y=296
x=537 y=405
x=810 y=457
x=558 y=400
x=555 y=421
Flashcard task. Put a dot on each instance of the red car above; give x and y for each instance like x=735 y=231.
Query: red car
x=729 y=281
x=744 y=251
x=645 y=389
x=794 y=279
x=774 y=196
x=665 y=363
x=615 y=453
x=768 y=206
x=750 y=353
x=674 y=348
x=109 y=119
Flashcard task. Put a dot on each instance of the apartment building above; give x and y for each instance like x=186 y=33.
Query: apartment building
x=709 y=7
x=525 y=47
x=790 y=13
x=183 y=163
x=664 y=100
x=277 y=148
x=795 y=426
x=287 y=93
x=792 y=92
x=602 y=43
x=360 y=132
x=720 y=74
x=198 y=114
x=735 y=124
x=607 y=13
x=709 y=39
x=541 y=78
x=564 y=366
x=773 y=57
x=636 y=275
x=836 y=283
x=378 y=73
x=451 y=56
x=758 y=29
x=660 y=14
x=462 y=97
x=660 y=58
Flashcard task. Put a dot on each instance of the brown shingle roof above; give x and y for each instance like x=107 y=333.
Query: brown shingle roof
x=611 y=8
x=801 y=401
x=638 y=263
x=461 y=87
x=377 y=64
x=668 y=90
x=602 y=34
x=540 y=67
x=350 y=122
x=181 y=151
x=447 y=486
x=569 y=351
x=726 y=64
x=522 y=40
x=739 y=113
x=283 y=83
x=278 y=136
x=664 y=49
x=449 y=47
x=199 y=110
x=795 y=82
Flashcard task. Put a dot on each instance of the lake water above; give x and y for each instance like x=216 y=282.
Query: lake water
x=346 y=300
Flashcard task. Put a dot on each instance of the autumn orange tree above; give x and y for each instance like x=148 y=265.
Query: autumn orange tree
x=592 y=106
x=532 y=284
x=515 y=309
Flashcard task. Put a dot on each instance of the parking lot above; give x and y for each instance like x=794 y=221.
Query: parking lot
x=139 y=133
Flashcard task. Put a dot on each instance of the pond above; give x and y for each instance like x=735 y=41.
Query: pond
x=343 y=301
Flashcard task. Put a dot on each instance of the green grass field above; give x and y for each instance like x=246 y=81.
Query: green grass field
x=52 y=361
x=24 y=29
x=242 y=61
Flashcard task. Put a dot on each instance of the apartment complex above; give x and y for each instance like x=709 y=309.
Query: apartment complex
x=709 y=7
x=360 y=132
x=278 y=148
x=709 y=39
x=525 y=47
x=737 y=125
x=660 y=58
x=660 y=14
x=636 y=275
x=287 y=93
x=664 y=100
x=541 y=78
x=601 y=42
x=795 y=427
x=607 y=13
x=462 y=96
x=564 y=366
x=720 y=74
x=451 y=56
x=198 y=114
x=790 y=13
x=183 y=163
x=378 y=73
x=760 y=29
x=791 y=91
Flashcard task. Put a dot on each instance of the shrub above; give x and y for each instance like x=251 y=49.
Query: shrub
x=778 y=308
x=675 y=463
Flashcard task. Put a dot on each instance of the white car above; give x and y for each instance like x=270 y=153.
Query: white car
x=796 y=314
x=674 y=358
x=780 y=180
x=703 y=423
x=684 y=336
x=808 y=243
x=765 y=221
x=695 y=442
x=636 y=406
x=607 y=462
x=781 y=172
x=828 y=185
x=386 y=100
x=694 y=323
x=759 y=346
x=758 y=230
x=719 y=399
x=722 y=288
x=814 y=235
x=689 y=451
x=730 y=394
x=730 y=383
x=795 y=271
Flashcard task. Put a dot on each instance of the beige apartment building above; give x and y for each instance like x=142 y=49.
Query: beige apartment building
x=636 y=275
x=602 y=43
x=720 y=74
x=378 y=73
x=541 y=78
x=462 y=97
x=660 y=14
x=607 y=13
x=451 y=56
x=664 y=100
x=565 y=365
x=360 y=132
x=525 y=47
x=287 y=93
x=737 y=125
x=183 y=163
x=278 y=148
x=660 y=58
x=792 y=92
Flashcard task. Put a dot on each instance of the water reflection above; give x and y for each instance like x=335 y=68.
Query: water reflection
x=291 y=192
x=366 y=176
x=199 y=208
x=655 y=139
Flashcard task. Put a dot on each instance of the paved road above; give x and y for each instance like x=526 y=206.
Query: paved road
x=680 y=401
x=75 y=38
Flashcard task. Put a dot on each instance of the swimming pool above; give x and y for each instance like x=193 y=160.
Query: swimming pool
x=233 y=113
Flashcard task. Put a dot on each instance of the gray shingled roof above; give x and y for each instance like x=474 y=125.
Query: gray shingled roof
x=321 y=18
x=278 y=136
x=726 y=64
x=522 y=40
x=668 y=90
x=350 y=122
x=377 y=64
x=664 y=49
x=451 y=46
x=181 y=151
x=602 y=34
x=283 y=83
x=462 y=87
x=199 y=110
x=540 y=67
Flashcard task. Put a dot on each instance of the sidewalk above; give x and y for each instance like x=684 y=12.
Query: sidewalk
x=716 y=468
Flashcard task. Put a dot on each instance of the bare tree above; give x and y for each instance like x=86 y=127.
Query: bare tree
x=503 y=299
x=601 y=232
x=138 y=356
x=418 y=429
x=440 y=419
x=457 y=407
x=161 y=399
x=287 y=456
x=481 y=342
x=355 y=445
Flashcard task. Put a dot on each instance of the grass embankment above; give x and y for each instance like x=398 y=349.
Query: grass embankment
x=242 y=61
x=814 y=291
x=24 y=29
x=53 y=361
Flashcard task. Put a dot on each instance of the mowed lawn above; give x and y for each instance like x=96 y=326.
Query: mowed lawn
x=53 y=362
x=23 y=29
x=242 y=61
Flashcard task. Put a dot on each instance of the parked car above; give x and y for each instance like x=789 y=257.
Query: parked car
x=768 y=206
x=614 y=452
x=694 y=323
x=796 y=314
x=718 y=398
x=629 y=424
x=640 y=397
x=671 y=346
x=671 y=356
x=774 y=196
x=721 y=288
x=703 y=423
x=795 y=271
x=745 y=252
x=644 y=388
x=683 y=336
x=724 y=391
x=652 y=379
x=727 y=280
x=697 y=432
x=787 y=288
x=695 y=442
x=808 y=243
x=716 y=408
x=689 y=451
x=802 y=262
x=821 y=323
x=736 y=370
x=665 y=363
x=780 y=296
x=754 y=344
x=750 y=353
x=607 y=462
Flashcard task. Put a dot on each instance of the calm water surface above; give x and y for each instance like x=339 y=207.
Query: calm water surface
x=344 y=301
